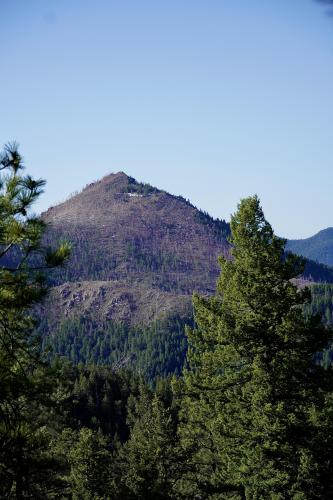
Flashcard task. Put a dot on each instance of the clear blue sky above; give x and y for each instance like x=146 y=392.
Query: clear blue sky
x=211 y=99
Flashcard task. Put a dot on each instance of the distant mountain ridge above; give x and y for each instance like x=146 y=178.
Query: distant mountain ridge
x=318 y=247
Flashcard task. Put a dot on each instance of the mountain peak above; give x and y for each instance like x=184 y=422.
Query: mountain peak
x=122 y=229
x=114 y=176
x=116 y=179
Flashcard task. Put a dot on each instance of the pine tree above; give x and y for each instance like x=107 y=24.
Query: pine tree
x=257 y=411
x=23 y=260
x=90 y=461
x=150 y=459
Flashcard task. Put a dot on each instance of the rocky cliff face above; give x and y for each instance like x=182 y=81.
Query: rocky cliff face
x=111 y=300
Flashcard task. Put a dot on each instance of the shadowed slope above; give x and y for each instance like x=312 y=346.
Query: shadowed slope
x=318 y=247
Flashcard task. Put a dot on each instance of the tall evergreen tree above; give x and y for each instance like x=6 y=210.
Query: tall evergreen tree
x=150 y=460
x=89 y=460
x=257 y=411
x=22 y=283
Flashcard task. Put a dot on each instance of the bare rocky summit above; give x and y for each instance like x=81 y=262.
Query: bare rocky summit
x=124 y=230
x=134 y=247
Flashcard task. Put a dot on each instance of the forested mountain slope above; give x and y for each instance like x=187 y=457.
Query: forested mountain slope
x=318 y=247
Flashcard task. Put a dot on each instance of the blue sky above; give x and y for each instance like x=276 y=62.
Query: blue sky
x=211 y=99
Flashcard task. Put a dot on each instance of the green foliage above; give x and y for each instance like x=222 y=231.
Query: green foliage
x=74 y=426
x=151 y=458
x=95 y=397
x=89 y=461
x=155 y=350
x=24 y=466
x=257 y=407
x=115 y=438
x=314 y=271
x=322 y=304
x=28 y=466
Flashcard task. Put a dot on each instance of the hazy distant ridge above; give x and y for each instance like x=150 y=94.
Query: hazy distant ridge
x=318 y=247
